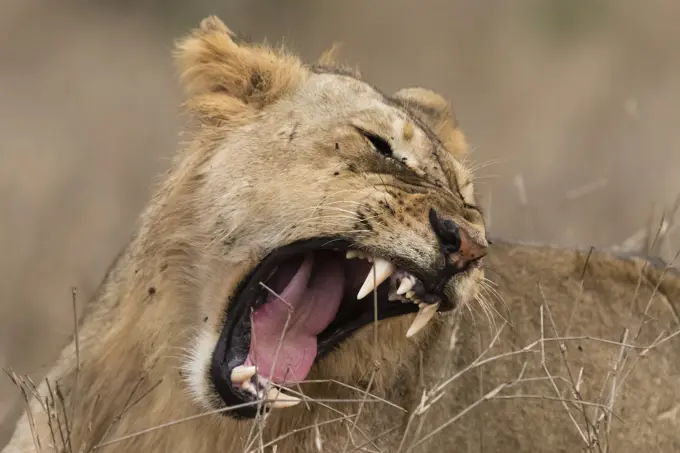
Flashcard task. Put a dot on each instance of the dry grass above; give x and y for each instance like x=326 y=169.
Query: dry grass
x=592 y=420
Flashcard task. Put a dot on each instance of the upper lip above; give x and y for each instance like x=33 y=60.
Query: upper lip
x=251 y=283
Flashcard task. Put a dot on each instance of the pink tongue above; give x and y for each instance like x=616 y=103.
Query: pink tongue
x=311 y=303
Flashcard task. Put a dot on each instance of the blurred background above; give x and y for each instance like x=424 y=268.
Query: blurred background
x=570 y=108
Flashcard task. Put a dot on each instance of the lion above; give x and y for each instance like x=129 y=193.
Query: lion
x=309 y=277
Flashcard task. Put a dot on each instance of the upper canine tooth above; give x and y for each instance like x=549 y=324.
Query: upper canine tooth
x=380 y=271
x=279 y=400
x=425 y=314
x=405 y=285
x=242 y=373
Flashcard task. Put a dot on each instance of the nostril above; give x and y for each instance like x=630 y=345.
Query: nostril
x=447 y=231
x=450 y=236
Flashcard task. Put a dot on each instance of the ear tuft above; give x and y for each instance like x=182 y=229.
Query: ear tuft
x=212 y=24
x=226 y=79
x=436 y=113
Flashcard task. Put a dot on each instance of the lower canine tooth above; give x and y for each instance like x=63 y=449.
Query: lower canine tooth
x=425 y=314
x=410 y=294
x=279 y=400
x=242 y=373
x=380 y=271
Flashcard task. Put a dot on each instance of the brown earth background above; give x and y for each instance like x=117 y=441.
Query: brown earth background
x=570 y=106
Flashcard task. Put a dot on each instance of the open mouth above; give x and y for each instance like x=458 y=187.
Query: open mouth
x=302 y=301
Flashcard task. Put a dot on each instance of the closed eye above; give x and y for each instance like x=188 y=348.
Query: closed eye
x=473 y=207
x=380 y=144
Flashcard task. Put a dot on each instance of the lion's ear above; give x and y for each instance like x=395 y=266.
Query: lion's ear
x=225 y=78
x=436 y=113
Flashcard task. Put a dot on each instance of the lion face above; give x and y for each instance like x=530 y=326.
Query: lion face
x=328 y=204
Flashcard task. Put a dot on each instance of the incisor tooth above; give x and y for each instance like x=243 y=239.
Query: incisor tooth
x=250 y=388
x=405 y=285
x=380 y=271
x=425 y=314
x=242 y=373
x=279 y=400
x=353 y=254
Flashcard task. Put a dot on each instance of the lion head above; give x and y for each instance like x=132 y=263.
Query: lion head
x=311 y=206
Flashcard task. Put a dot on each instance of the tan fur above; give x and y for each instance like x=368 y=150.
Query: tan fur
x=265 y=122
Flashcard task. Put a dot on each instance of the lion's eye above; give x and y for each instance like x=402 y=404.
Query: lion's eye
x=380 y=144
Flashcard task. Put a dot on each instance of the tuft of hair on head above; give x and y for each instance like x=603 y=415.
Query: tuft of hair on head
x=329 y=62
x=227 y=79
x=329 y=57
x=437 y=114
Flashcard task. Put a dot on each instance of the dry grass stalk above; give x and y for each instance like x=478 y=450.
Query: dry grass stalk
x=594 y=428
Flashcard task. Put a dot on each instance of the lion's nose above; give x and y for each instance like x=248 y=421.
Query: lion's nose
x=455 y=240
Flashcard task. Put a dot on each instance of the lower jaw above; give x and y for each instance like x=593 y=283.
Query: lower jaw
x=332 y=373
x=231 y=396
